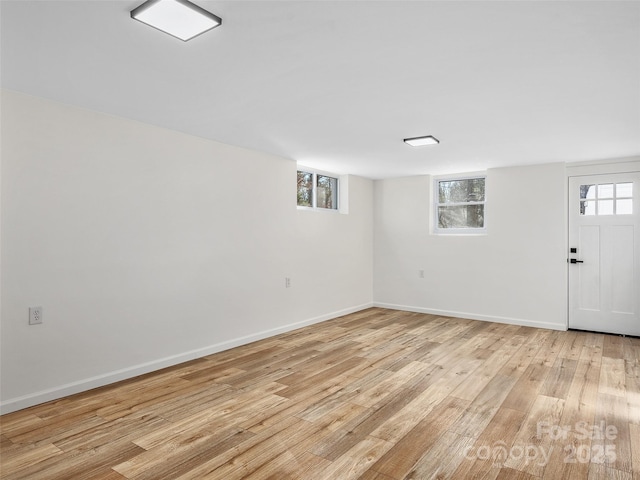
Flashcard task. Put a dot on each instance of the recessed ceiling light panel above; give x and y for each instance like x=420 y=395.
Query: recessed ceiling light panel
x=420 y=141
x=179 y=18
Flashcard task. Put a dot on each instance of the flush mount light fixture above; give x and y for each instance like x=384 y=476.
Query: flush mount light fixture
x=179 y=18
x=420 y=141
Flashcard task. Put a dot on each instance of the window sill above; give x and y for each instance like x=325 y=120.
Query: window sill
x=316 y=209
x=461 y=233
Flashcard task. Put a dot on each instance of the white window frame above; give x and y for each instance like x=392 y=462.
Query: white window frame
x=314 y=196
x=435 y=229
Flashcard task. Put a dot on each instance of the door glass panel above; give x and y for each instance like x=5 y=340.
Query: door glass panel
x=624 y=206
x=624 y=190
x=599 y=199
x=587 y=191
x=605 y=207
x=587 y=208
x=605 y=191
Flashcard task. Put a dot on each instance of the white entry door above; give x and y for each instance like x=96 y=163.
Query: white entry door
x=604 y=253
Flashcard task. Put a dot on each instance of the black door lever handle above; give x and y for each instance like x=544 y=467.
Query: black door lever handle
x=574 y=260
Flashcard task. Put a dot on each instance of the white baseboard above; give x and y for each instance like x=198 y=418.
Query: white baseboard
x=473 y=316
x=18 y=403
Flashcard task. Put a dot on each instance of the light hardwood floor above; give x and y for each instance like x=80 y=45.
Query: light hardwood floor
x=376 y=395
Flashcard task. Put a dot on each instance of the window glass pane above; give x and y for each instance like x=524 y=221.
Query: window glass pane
x=624 y=190
x=461 y=216
x=624 y=206
x=587 y=208
x=605 y=191
x=587 y=191
x=327 y=192
x=305 y=189
x=605 y=207
x=460 y=191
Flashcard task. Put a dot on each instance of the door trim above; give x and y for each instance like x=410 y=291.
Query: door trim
x=579 y=169
x=585 y=169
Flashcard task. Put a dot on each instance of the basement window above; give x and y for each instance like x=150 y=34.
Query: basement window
x=317 y=190
x=459 y=205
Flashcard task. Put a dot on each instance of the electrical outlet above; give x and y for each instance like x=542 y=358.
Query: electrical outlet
x=420 y=273
x=35 y=315
x=287 y=282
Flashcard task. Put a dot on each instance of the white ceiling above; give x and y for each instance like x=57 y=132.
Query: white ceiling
x=338 y=85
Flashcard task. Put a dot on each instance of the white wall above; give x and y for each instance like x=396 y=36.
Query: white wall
x=516 y=273
x=147 y=247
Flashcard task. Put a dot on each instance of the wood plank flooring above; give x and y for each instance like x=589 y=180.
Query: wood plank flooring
x=376 y=395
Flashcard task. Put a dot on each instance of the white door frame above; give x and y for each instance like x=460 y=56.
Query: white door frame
x=622 y=165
